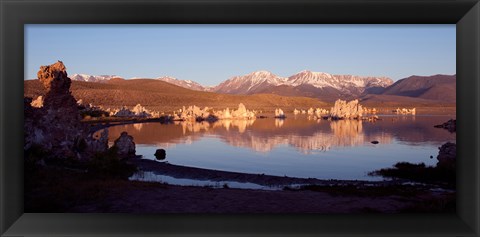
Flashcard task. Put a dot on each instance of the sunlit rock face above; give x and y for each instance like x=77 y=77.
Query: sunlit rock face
x=37 y=103
x=243 y=113
x=405 y=111
x=346 y=110
x=279 y=113
x=138 y=111
x=57 y=85
x=194 y=113
x=55 y=127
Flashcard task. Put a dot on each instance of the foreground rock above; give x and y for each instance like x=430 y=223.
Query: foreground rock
x=346 y=110
x=124 y=146
x=55 y=127
x=450 y=125
x=160 y=154
x=447 y=155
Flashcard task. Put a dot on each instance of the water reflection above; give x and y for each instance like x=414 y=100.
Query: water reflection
x=148 y=176
x=263 y=135
x=295 y=146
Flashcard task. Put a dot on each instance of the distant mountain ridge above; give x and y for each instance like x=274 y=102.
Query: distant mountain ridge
x=182 y=83
x=320 y=85
x=92 y=78
x=324 y=86
x=265 y=81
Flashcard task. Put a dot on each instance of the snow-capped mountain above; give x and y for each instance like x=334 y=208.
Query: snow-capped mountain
x=182 y=83
x=305 y=83
x=250 y=83
x=301 y=83
x=340 y=82
x=91 y=78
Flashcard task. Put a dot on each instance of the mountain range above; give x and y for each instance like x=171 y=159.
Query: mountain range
x=91 y=78
x=323 y=86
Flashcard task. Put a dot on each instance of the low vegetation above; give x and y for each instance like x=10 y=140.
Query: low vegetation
x=444 y=175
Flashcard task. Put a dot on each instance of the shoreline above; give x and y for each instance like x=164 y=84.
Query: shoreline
x=201 y=174
x=45 y=192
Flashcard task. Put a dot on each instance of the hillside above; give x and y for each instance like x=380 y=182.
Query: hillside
x=437 y=87
x=162 y=96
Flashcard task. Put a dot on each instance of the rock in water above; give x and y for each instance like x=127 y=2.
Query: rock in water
x=279 y=114
x=125 y=146
x=375 y=142
x=344 y=110
x=160 y=154
x=450 y=125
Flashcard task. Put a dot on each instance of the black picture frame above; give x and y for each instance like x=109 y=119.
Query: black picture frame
x=14 y=14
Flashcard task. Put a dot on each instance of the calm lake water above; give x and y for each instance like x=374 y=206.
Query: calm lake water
x=296 y=146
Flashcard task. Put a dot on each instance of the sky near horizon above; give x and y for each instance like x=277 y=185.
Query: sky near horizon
x=210 y=54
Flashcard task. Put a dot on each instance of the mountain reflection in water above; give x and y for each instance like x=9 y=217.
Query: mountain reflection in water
x=295 y=146
x=305 y=135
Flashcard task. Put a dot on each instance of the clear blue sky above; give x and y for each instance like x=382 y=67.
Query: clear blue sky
x=210 y=54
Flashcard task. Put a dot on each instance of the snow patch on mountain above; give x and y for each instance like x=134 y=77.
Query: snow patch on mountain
x=93 y=78
x=189 y=84
x=256 y=81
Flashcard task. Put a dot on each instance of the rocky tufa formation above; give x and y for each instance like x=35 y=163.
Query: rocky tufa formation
x=344 y=110
x=194 y=113
x=279 y=114
x=55 y=128
x=450 y=125
x=137 y=112
x=243 y=113
x=405 y=111
x=124 y=146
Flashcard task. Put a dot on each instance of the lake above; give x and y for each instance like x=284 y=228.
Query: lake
x=296 y=146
